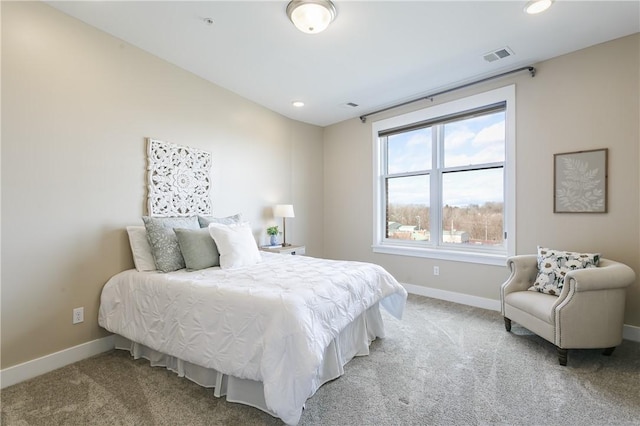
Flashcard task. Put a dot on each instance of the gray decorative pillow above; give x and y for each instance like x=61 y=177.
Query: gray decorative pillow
x=163 y=241
x=229 y=220
x=553 y=265
x=198 y=248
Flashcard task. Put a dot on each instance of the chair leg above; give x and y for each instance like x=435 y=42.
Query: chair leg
x=507 y=324
x=608 y=351
x=562 y=356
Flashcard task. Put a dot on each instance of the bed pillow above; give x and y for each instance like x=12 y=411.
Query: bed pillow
x=198 y=248
x=236 y=245
x=553 y=265
x=163 y=241
x=140 y=248
x=229 y=220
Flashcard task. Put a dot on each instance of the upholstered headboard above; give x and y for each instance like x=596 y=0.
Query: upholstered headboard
x=178 y=180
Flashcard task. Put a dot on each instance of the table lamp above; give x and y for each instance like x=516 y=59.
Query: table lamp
x=284 y=211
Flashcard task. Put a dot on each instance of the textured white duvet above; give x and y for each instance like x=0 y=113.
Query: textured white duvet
x=269 y=322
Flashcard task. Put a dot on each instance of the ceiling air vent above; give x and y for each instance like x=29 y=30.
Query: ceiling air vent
x=505 y=52
x=350 y=104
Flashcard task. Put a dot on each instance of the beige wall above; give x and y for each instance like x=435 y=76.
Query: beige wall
x=76 y=107
x=584 y=100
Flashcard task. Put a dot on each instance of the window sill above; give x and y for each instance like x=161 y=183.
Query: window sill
x=443 y=254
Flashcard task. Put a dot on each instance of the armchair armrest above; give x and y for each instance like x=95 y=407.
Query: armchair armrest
x=524 y=269
x=608 y=275
x=589 y=312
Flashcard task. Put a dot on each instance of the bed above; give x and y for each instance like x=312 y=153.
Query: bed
x=262 y=329
x=266 y=335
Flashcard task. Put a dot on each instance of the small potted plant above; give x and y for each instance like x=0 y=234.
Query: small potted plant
x=272 y=231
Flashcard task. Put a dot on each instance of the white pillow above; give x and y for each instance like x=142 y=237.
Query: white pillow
x=236 y=245
x=142 y=256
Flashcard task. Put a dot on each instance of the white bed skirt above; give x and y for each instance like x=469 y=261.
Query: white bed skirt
x=354 y=340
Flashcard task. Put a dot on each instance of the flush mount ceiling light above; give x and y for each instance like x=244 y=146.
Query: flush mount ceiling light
x=537 y=6
x=297 y=104
x=311 y=16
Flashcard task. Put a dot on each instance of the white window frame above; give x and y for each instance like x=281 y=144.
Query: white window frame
x=449 y=252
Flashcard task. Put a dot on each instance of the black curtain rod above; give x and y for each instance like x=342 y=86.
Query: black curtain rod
x=531 y=69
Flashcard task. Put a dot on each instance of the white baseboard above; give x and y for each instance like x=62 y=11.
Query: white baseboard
x=629 y=332
x=450 y=296
x=27 y=370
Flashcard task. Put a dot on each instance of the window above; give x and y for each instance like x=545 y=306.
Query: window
x=445 y=180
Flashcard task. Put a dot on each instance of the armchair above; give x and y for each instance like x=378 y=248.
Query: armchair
x=588 y=313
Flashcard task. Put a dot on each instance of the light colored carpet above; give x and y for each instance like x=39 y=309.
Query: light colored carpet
x=443 y=364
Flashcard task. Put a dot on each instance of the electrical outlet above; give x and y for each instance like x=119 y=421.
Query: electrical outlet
x=78 y=315
x=436 y=270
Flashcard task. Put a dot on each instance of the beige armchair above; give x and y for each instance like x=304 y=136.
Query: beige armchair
x=589 y=313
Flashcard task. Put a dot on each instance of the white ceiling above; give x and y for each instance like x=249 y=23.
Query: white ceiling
x=375 y=54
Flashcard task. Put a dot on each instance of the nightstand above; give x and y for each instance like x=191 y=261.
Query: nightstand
x=292 y=249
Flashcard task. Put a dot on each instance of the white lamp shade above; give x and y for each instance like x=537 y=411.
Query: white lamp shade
x=283 y=210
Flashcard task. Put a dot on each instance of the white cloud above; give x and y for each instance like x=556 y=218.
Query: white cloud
x=409 y=190
x=479 y=187
x=412 y=154
x=490 y=135
x=419 y=138
x=458 y=138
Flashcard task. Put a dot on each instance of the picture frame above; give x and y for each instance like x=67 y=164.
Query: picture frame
x=580 y=181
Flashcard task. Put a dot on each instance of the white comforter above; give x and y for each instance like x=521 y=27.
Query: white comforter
x=269 y=322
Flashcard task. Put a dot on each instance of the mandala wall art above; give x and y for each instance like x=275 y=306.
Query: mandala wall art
x=580 y=182
x=178 y=180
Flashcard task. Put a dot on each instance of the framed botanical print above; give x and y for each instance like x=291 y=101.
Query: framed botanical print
x=580 y=182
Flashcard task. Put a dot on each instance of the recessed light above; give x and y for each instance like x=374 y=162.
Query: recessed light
x=297 y=104
x=536 y=6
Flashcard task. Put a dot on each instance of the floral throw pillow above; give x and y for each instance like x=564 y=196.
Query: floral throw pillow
x=553 y=265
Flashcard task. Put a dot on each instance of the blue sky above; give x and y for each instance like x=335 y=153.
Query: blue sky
x=477 y=140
